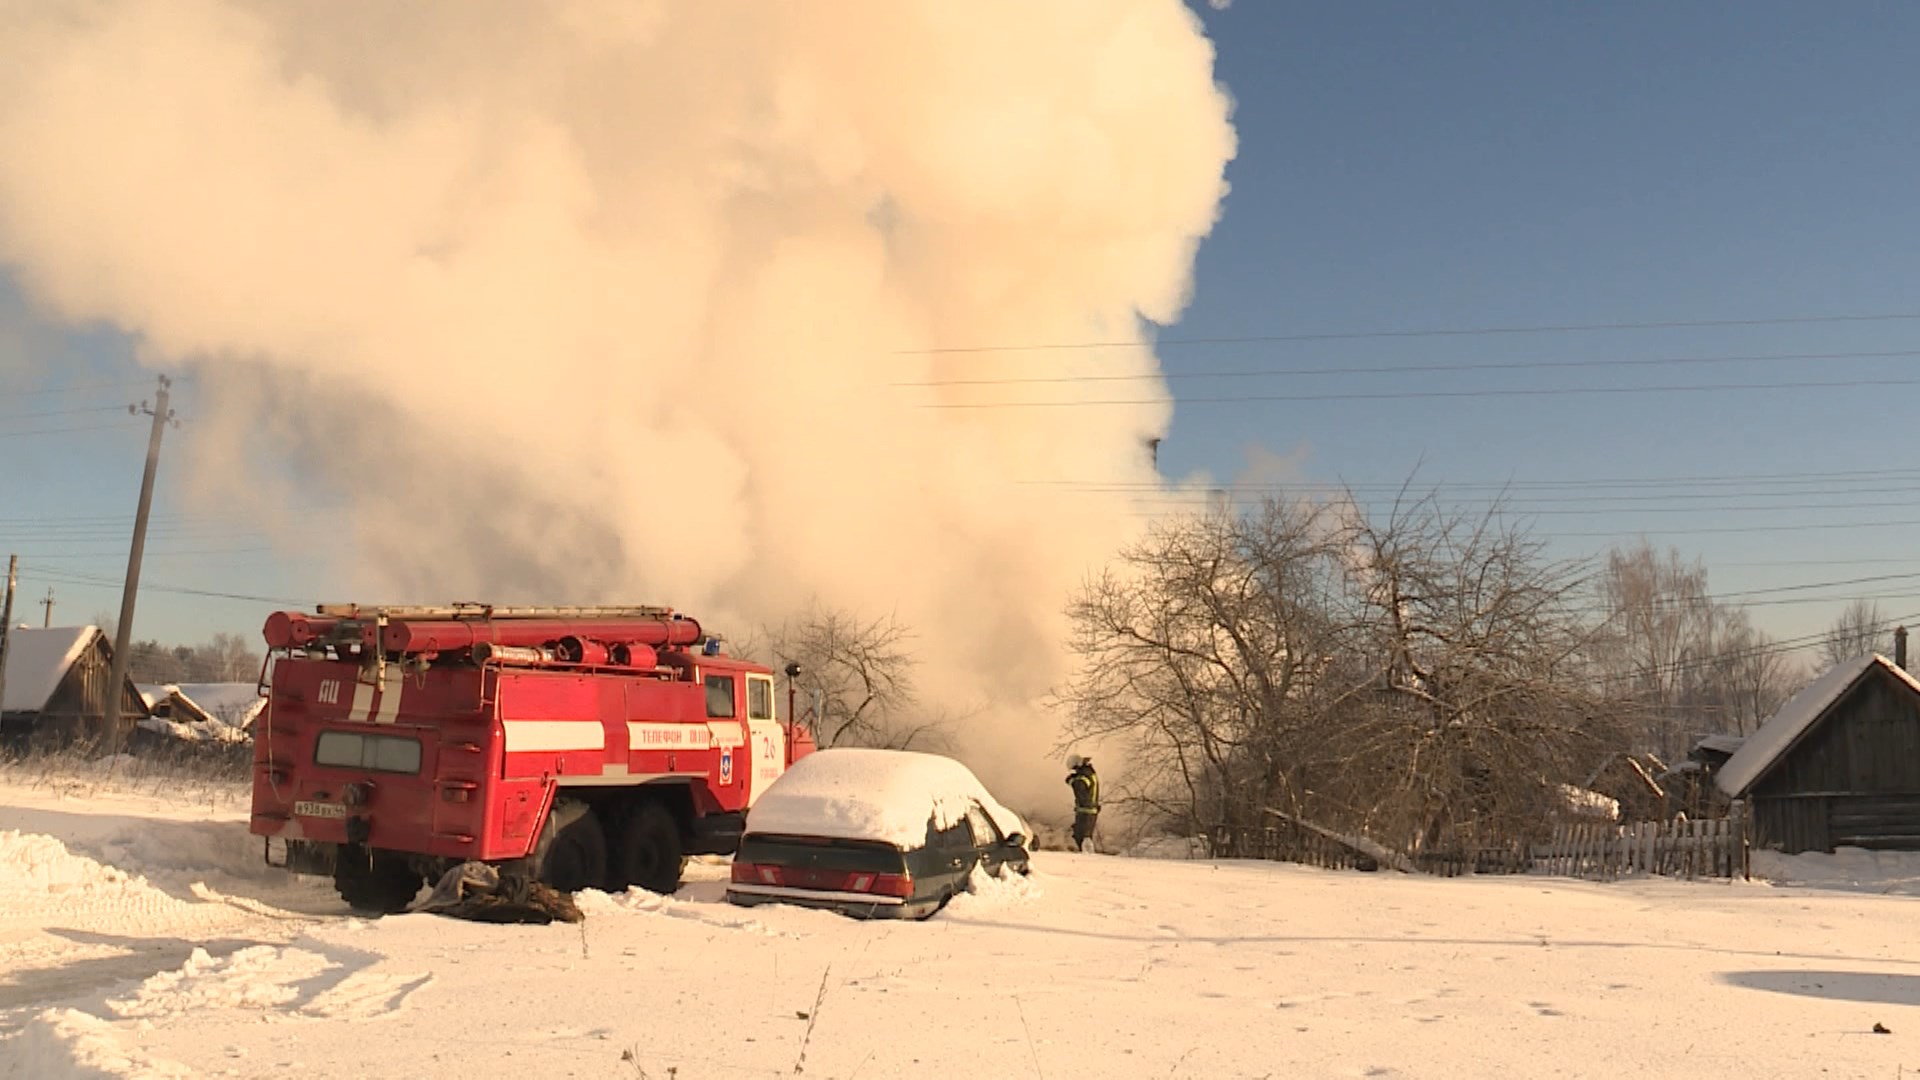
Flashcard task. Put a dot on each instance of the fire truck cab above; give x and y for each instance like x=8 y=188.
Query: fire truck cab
x=580 y=747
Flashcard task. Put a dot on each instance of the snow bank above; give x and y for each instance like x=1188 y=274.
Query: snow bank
x=886 y=795
x=987 y=893
x=203 y=847
x=69 y=1044
x=257 y=977
x=1849 y=868
x=636 y=901
x=35 y=864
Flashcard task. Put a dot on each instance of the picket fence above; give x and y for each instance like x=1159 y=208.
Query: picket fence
x=1684 y=848
x=1286 y=843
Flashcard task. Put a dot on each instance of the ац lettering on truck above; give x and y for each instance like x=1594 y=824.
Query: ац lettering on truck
x=580 y=747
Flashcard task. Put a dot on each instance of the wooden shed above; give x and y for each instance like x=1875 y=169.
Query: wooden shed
x=1837 y=766
x=56 y=684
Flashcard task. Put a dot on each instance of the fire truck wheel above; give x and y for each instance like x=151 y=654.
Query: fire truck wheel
x=572 y=852
x=650 y=853
x=380 y=884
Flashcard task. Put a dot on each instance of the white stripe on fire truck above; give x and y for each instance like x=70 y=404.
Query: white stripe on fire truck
x=726 y=733
x=362 y=701
x=534 y=736
x=610 y=778
x=667 y=737
x=391 y=686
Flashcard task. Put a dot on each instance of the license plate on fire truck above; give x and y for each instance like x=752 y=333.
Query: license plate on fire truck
x=320 y=809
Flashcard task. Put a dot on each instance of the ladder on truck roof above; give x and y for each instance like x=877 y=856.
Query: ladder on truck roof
x=488 y=611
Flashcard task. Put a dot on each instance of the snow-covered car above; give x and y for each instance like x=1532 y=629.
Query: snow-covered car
x=874 y=833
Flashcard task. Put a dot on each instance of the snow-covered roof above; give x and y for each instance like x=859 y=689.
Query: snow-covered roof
x=1785 y=727
x=231 y=705
x=37 y=659
x=849 y=793
x=1721 y=743
x=1588 y=803
x=235 y=702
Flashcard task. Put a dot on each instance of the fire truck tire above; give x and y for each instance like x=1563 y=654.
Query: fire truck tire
x=382 y=884
x=572 y=851
x=651 y=854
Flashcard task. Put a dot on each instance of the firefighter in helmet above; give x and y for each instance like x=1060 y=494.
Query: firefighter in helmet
x=1086 y=800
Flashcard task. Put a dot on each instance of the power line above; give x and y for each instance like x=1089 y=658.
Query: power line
x=60 y=412
x=64 y=430
x=1173 y=510
x=167 y=554
x=77 y=388
x=1906 y=560
x=1490 y=496
x=1620 y=481
x=1357 y=335
x=1402 y=395
x=1777 y=646
x=1407 y=369
x=69 y=577
x=127 y=519
x=1530 y=510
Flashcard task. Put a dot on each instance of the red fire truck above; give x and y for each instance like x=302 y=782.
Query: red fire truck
x=580 y=747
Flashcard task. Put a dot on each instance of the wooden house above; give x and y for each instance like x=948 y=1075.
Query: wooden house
x=1837 y=766
x=56 y=684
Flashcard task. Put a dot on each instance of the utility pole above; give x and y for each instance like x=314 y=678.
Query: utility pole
x=6 y=624
x=48 y=604
x=113 y=737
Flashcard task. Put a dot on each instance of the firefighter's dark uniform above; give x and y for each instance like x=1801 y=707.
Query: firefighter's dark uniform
x=1086 y=802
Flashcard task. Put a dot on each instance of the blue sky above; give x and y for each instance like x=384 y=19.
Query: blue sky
x=1407 y=166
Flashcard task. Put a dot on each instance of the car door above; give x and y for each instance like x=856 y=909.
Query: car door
x=954 y=850
x=987 y=841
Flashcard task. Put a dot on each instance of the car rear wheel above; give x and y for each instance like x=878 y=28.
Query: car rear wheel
x=651 y=854
x=572 y=852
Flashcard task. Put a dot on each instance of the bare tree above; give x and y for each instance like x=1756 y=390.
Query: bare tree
x=1679 y=662
x=1484 y=706
x=1203 y=651
x=860 y=673
x=1420 y=679
x=1858 y=630
x=226 y=658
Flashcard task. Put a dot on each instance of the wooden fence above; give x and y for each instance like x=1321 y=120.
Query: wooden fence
x=1683 y=848
x=1715 y=847
x=1289 y=843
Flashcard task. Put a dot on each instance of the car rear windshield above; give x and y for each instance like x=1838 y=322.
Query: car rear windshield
x=821 y=854
x=375 y=753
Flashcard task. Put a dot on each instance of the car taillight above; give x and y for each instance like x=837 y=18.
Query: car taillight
x=755 y=874
x=900 y=885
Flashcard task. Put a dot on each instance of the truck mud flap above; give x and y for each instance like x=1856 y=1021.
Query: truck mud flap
x=717 y=834
x=315 y=857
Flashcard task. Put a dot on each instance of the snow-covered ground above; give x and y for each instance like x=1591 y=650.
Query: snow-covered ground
x=139 y=936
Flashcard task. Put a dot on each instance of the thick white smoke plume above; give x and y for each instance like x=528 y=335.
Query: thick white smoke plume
x=609 y=300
